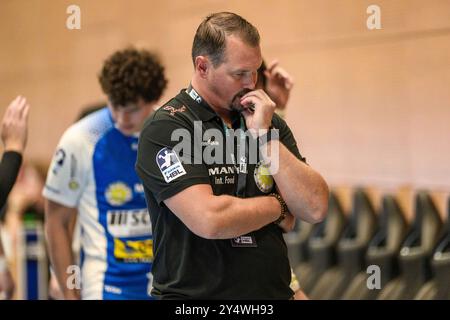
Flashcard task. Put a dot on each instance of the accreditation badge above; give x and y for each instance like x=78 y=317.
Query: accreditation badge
x=247 y=241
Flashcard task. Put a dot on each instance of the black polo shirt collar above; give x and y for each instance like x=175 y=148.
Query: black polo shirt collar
x=202 y=109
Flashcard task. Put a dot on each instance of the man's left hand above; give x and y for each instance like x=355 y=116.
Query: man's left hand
x=279 y=84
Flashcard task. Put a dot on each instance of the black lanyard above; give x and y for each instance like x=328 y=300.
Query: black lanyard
x=242 y=169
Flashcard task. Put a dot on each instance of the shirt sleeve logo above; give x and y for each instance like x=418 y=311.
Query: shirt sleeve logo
x=58 y=160
x=173 y=111
x=169 y=164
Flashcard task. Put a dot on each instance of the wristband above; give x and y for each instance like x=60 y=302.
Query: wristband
x=284 y=208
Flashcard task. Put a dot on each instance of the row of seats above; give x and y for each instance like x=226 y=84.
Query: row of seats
x=331 y=258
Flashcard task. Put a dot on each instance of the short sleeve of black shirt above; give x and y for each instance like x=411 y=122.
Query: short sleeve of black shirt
x=157 y=135
x=286 y=136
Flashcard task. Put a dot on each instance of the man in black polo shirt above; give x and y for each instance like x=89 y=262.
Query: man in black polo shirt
x=218 y=210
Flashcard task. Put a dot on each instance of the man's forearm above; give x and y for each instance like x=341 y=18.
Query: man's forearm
x=236 y=216
x=61 y=257
x=222 y=217
x=302 y=188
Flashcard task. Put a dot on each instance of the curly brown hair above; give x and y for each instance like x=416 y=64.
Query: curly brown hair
x=131 y=74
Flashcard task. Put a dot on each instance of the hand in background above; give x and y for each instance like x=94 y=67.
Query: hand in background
x=279 y=84
x=14 y=125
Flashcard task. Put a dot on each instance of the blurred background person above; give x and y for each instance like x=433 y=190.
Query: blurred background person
x=92 y=175
x=55 y=292
x=14 y=138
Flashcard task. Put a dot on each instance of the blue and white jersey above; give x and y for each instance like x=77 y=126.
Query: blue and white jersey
x=93 y=171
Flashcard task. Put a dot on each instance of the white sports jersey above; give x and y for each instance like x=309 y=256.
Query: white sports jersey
x=93 y=170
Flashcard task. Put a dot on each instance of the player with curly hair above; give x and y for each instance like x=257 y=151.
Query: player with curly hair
x=92 y=176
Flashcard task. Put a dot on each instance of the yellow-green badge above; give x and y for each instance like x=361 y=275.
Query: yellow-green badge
x=263 y=178
x=73 y=185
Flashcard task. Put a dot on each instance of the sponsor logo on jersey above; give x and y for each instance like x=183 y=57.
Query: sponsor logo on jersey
x=173 y=111
x=128 y=223
x=222 y=170
x=73 y=183
x=194 y=95
x=118 y=193
x=263 y=179
x=169 y=164
x=133 y=251
x=112 y=289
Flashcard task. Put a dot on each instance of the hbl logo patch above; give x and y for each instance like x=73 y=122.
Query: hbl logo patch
x=169 y=164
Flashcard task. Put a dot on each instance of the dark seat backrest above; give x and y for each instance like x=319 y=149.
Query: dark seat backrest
x=392 y=227
x=297 y=242
x=385 y=245
x=441 y=262
x=426 y=227
x=353 y=244
x=419 y=245
x=325 y=235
